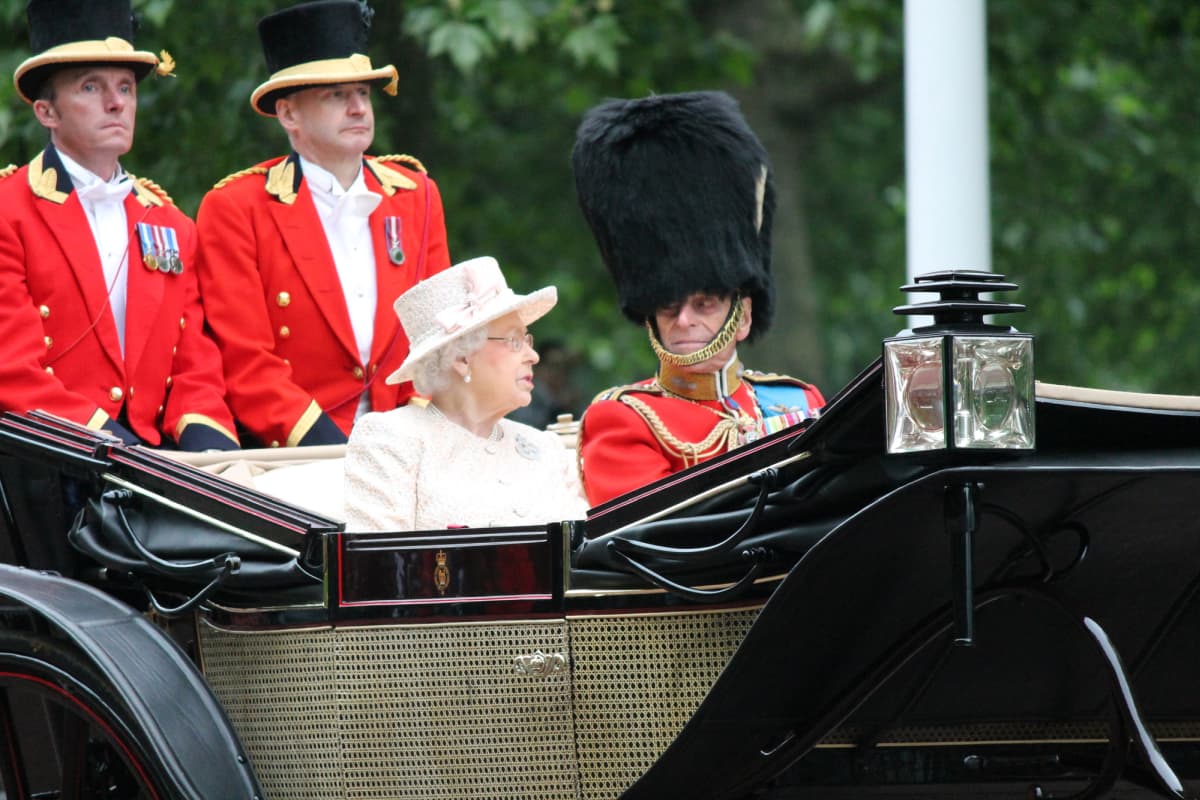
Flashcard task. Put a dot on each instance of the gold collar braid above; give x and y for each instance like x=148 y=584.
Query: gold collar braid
x=724 y=337
x=716 y=385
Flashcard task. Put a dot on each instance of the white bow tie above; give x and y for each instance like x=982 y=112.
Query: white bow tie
x=356 y=204
x=105 y=192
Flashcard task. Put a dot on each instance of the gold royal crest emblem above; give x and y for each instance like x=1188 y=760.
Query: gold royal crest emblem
x=441 y=573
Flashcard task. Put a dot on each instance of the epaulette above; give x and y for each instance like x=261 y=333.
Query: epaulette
x=9 y=170
x=754 y=376
x=615 y=392
x=146 y=186
x=241 y=173
x=412 y=161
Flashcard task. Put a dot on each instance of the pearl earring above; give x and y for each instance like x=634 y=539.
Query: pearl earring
x=467 y=377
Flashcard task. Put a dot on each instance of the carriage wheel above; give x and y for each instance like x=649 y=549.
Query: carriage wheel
x=62 y=735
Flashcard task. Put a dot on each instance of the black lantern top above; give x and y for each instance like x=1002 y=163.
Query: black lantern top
x=959 y=308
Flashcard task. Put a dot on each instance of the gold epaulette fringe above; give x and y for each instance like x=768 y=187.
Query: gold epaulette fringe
x=154 y=187
x=412 y=161
x=9 y=170
x=241 y=173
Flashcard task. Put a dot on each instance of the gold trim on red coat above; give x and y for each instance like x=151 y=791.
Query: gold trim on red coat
x=307 y=420
x=200 y=419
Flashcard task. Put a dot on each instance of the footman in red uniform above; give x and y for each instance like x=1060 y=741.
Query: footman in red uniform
x=302 y=256
x=100 y=317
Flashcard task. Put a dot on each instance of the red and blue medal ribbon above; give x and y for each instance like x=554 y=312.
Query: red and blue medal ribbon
x=392 y=239
x=160 y=248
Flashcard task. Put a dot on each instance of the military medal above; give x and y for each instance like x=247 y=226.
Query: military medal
x=149 y=249
x=175 y=263
x=395 y=246
x=160 y=248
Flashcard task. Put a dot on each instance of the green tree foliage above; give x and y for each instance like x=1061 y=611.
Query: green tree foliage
x=1095 y=185
x=1094 y=158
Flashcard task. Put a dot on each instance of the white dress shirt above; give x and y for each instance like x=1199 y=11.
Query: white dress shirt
x=344 y=215
x=104 y=203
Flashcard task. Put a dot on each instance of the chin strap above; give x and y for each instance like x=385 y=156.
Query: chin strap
x=718 y=343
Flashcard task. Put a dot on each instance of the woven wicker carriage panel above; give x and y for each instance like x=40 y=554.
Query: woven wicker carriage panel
x=638 y=679
x=440 y=711
x=416 y=711
x=278 y=690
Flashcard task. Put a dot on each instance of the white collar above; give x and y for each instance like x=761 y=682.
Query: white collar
x=324 y=181
x=81 y=176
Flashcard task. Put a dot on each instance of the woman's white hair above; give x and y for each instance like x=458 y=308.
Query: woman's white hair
x=432 y=373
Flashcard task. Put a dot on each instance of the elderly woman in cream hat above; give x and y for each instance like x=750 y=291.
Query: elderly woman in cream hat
x=456 y=460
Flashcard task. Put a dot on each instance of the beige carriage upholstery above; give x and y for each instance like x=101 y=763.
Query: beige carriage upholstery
x=1112 y=397
x=309 y=477
x=312 y=477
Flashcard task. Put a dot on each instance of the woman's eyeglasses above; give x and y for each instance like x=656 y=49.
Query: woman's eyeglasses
x=515 y=343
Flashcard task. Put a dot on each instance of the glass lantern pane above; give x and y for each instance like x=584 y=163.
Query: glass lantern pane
x=915 y=395
x=993 y=392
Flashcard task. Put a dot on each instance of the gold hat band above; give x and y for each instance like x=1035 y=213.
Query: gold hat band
x=356 y=68
x=113 y=50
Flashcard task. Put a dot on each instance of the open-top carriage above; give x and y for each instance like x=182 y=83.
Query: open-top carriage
x=904 y=597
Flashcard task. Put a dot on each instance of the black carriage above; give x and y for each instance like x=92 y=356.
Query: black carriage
x=905 y=597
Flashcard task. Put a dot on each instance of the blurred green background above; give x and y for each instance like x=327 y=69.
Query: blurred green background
x=1095 y=158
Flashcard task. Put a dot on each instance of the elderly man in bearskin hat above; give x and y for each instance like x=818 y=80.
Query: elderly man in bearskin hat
x=679 y=195
x=100 y=318
x=302 y=255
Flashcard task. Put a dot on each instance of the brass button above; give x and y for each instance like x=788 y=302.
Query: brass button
x=358 y=372
x=175 y=350
x=374 y=368
x=50 y=370
x=44 y=311
x=182 y=323
x=115 y=394
x=130 y=392
x=283 y=299
x=161 y=409
x=287 y=361
x=284 y=331
x=170 y=380
x=49 y=342
x=274 y=444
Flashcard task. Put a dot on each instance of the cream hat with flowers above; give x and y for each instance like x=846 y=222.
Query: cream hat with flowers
x=455 y=302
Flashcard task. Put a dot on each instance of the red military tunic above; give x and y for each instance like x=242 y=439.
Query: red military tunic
x=274 y=301
x=633 y=435
x=59 y=349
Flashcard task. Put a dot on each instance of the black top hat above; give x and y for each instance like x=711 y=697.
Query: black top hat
x=66 y=33
x=678 y=193
x=317 y=43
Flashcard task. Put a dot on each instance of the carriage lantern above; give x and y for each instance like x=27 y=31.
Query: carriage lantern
x=960 y=384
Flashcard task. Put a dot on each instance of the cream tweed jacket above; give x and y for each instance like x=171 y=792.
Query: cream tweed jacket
x=412 y=469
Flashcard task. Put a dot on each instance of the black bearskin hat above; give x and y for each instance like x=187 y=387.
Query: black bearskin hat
x=679 y=195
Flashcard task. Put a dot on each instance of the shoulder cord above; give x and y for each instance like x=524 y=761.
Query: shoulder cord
x=121 y=273
x=723 y=435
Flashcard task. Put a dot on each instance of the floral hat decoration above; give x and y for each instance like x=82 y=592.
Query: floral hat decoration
x=459 y=300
